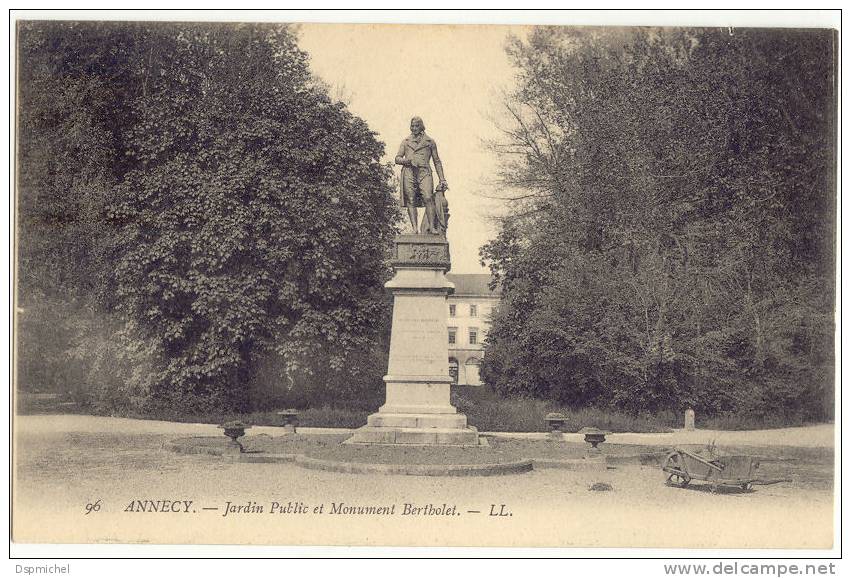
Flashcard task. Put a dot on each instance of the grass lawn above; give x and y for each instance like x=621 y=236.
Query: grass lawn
x=484 y=409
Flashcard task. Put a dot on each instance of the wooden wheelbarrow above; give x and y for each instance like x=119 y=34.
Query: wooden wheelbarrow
x=725 y=471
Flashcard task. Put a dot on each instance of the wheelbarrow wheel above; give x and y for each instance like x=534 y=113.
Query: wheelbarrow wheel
x=677 y=476
x=678 y=480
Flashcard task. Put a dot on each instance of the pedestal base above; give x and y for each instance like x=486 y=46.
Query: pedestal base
x=423 y=436
x=447 y=428
x=418 y=420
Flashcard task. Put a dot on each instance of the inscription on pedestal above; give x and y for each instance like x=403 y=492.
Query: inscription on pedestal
x=421 y=253
x=415 y=358
x=418 y=340
x=421 y=250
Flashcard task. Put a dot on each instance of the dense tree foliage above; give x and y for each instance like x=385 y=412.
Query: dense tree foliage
x=74 y=89
x=671 y=233
x=196 y=184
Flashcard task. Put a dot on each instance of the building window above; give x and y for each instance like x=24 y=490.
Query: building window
x=452 y=311
x=474 y=336
x=453 y=331
x=474 y=311
x=453 y=370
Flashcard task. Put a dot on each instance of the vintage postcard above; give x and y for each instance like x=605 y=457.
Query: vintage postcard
x=474 y=285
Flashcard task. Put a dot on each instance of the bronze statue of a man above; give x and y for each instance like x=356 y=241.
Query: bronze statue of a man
x=415 y=155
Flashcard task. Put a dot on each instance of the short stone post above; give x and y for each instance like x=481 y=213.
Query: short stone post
x=595 y=437
x=556 y=423
x=689 y=420
x=234 y=430
x=289 y=417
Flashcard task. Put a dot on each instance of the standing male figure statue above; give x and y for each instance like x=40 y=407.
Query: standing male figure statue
x=415 y=155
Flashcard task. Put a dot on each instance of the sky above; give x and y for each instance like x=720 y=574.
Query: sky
x=451 y=76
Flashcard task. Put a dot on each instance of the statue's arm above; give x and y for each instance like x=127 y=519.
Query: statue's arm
x=400 y=156
x=438 y=166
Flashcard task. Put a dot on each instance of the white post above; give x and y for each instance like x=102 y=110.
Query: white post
x=689 y=420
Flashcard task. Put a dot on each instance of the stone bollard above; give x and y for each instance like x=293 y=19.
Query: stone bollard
x=234 y=430
x=290 y=420
x=556 y=422
x=689 y=420
x=595 y=437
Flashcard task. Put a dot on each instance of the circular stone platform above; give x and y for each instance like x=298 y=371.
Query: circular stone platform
x=495 y=469
x=500 y=456
x=327 y=453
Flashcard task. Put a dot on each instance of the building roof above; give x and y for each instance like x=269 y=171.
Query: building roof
x=473 y=284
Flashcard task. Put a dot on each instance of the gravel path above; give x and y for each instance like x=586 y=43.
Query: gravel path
x=66 y=462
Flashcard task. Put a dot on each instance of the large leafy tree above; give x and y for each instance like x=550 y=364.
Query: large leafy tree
x=75 y=83
x=673 y=239
x=256 y=220
x=245 y=215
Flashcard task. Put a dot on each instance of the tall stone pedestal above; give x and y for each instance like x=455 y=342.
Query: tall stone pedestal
x=417 y=410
